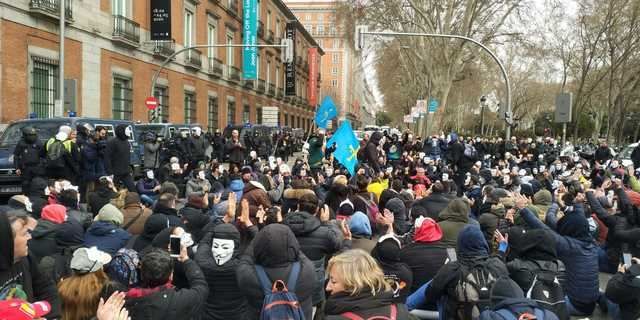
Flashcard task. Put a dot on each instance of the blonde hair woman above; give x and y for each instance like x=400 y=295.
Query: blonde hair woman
x=358 y=289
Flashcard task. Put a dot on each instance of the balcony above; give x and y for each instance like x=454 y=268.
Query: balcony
x=270 y=37
x=249 y=83
x=126 y=31
x=215 y=67
x=280 y=94
x=261 y=86
x=51 y=8
x=234 y=74
x=232 y=7
x=164 y=49
x=192 y=59
x=260 y=29
x=272 y=90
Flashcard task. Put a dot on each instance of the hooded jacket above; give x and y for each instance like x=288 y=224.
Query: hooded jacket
x=225 y=299
x=579 y=253
x=107 y=236
x=318 y=241
x=426 y=254
x=400 y=219
x=434 y=204
x=472 y=249
x=624 y=289
x=364 y=305
x=37 y=197
x=533 y=250
x=507 y=295
x=116 y=157
x=452 y=220
x=24 y=273
x=96 y=200
x=371 y=151
x=154 y=224
x=275 y=248
x=43 y=240
x=387 y=253
x=256 y=197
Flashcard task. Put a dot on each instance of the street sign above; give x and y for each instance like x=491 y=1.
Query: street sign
x=563 y=108
x=151 y=103
x=270 y=116
x=421 y=106
x=433 y=105
x=160 y=20
x=290 y=67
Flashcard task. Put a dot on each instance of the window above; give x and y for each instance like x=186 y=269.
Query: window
x=44 y=86
x=277 y=28
x=259 y=115
x=286 y=120
x=334 y=83
x=320 y=18
x=258 y=64
x=211 y=39
x=190 y=112
x=189 y=32
x=231 y=110
x=230 y=49
x=212 y=121
x=277 y=76
x=334 y=71
x=120 y=7
x=320 y=29
x=122 y=102
x=268 y=77
x=246 y=113
x=332 y=30
x=268 y=24
x=309 y=27
x=335 y=58
x=307 y=17
x=162 y=111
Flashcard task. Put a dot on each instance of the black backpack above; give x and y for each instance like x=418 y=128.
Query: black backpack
x=55 y=155
x=473 y=290
x=546 y=289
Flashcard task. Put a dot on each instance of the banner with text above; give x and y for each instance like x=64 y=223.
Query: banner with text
x=313 y=76
x=290 y=68
x=161 y=20
x=250 y=31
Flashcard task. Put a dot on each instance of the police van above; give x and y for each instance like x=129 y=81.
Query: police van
x=10 y=182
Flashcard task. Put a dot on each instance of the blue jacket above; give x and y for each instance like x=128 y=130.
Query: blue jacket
x=580 y=258
x=145 y=186
x=91 y=164
x=106 y=236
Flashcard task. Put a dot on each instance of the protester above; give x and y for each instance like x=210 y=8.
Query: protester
x=106 y=233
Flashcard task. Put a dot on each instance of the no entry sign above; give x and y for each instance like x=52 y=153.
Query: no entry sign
x=151 y=103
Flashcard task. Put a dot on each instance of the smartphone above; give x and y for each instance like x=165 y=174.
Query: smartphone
x=626 y=258
x=451 y=254
x=174 y=246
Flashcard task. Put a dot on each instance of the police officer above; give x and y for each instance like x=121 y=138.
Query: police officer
x=28 y=157
x=217 y=143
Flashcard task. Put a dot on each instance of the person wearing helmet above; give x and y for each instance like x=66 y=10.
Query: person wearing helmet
x=28 y=157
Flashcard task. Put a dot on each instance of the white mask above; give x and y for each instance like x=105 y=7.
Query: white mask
x=220 y=169
x=150 y=175
x=197 y=131
x=328 y=172
x=128 y=132
x=201 y=175
x=222 y=250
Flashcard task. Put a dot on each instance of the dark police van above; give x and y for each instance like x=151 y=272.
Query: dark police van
x=10 y=182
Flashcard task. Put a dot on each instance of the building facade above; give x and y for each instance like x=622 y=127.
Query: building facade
x=340 y=61
x=110 y=62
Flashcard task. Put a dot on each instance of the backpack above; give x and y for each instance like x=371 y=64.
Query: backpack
x=55 y=155
x=372 y=209
x=392 y=315
x=473 y=291
x=470 y=151
x=279 y=301
x=508 y=314
x=547 y=292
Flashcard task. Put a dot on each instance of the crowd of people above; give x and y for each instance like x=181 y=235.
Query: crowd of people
x=444 y=227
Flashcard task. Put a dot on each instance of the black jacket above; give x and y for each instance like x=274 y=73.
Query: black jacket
x=28 y=154
x=198 y=146
x=24 y=272
x=225 y=300
x=424 y=260
x=317 y=240
x=43 y=240
x=116 y=159
x=236 y=152
x=371 y=151
x=624 y=289
x=275 y=248
x=169 y=303
x=96 y=200
x=434 y=204
x=365 y=305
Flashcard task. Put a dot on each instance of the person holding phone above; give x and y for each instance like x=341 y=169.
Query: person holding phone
x=624 y=290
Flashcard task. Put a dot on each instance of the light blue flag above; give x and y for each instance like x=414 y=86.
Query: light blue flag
x=326 y=111
x=250 y=31
x=347 y=146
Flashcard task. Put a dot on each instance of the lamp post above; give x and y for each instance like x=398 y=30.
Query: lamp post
x=483 y=103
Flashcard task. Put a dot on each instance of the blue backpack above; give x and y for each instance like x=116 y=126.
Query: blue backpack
x=508 y=314
x=280 y=300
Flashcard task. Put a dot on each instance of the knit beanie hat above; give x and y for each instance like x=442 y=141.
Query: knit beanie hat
x=110 y=213
x=55 y=213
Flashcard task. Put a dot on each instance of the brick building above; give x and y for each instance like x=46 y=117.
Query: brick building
x=110 y=62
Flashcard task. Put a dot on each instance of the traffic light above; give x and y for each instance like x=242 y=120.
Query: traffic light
x=287 y=52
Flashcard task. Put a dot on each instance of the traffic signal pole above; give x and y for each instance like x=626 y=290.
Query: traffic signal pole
x=361 y=31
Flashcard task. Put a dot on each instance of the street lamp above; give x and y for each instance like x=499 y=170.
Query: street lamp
x=483 y=103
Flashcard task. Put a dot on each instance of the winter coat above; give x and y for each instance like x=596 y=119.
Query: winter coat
x=318 y=241
x=624 y=290
x=602 y=154
x=24 y=273
x=371 y=151
x=117 y=155
x=424 y=260
x=452 y=220
x=579 y=253
x=106 y=236
x=365 y=305
x=198 y=146
x=225 y=299
x=151 y=155
x=256 y=197
x=97 y=199
x=171 y=303
x=275 y=248
x=145 y=186
x=43 y=240
x=91 y=164
x=28 y=154
x=315 y=152
x=197 y=186
x=135 y=212
x=434 y=204
x=290 y=199
x=236 y=152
